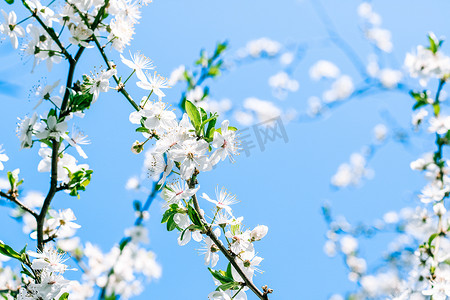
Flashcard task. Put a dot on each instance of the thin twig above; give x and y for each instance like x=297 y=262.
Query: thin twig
x=337 y=39
x=126 y=240
x=109 y=64
x=231 y=257
x=116 y=79
x=64 y=111
x=19 y=203
x=50 y=32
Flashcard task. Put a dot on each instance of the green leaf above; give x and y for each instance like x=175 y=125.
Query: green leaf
x=11 y=179
x=228 y=286
x=436 y=108
x=64 y=296
x=9 y=1
x=23 y=249
x=142 y=129
x=418 y=105
x=203 y=114
x=52 y=112
x=432 y=237
x=193 y=215
x=219 y=276
x=167 y=214
x=111 y=297
x=159 y=187
x=205 y=92
x=193 y=114
x=214 y=117
x=211 y=133
x=170 y=189
x=171 y=225
x=434 y=43
x=78 y=181
x=26 y=272
x=433 y=46
x=420 y=97
x=182 y=234
x=47 y=142
x=190 y=227
x=221 y=47
x=79 y=101
x=137 y=205
x=211 y=125
x=10 y=252
x=214 y=71
x=123 y=243
x=229 y=274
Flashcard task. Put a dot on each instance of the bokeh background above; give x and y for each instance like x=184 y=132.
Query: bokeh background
x=283 y=186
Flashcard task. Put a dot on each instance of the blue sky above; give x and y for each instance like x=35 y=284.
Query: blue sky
x=282 y=187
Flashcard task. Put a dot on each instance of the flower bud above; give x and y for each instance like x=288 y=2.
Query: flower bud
x=439 y=209
x=137 y=147
x=259 y=232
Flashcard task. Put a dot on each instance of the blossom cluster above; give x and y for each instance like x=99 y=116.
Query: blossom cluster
x=188 y=148
x=181 y=215
x=416 y=263
x=121 y=271
x=50 y=284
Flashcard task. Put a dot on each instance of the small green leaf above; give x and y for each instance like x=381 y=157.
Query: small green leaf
x=142 y=129
x=111 y=297
x=217 y=275
x=190 y=227
x=137 y=205
x=229 y=274
x=193 y=114
x=9 y=1
x=211 y=134
x=26 y=272
x=23 y=249
x=220 y=48
x=228 y=286
x=432 y=237
x=171 y=225
x=436 y=108
x=78 y=181
x=52 y=112
x=203 y=114
x=47 y=142
x=214 y=71
x=64 y=296
x=211 y=124
x=434 y=43
x=167 y=214
x=79 y=101
x=193 y=215
x=11 y=179
x=208 y=121
x=123 y=243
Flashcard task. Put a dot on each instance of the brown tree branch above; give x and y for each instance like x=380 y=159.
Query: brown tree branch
x=48 y=199
x=73 y=63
